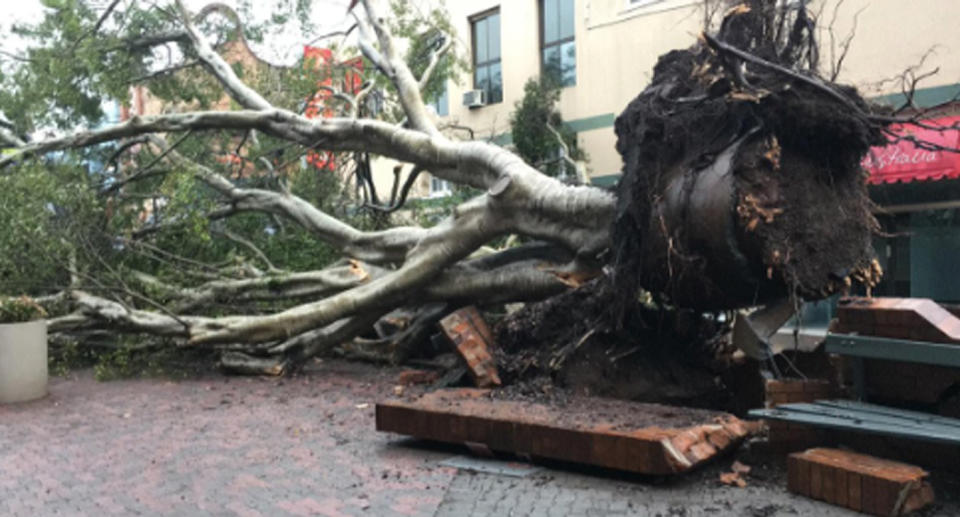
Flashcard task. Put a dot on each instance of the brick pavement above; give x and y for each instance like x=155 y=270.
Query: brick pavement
x=299 y=446
x=220 y=446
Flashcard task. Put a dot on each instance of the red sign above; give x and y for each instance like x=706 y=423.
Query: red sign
x=347 y=77
x=905 y=162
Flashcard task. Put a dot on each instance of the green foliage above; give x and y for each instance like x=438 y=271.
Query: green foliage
x=67 y=63
x=46 y=211
x=20 y=309
x=534 y=142
x=61 y=360
x=167 y=362
x=127 y=357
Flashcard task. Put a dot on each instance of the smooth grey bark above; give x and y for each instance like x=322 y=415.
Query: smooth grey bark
x=402 y=263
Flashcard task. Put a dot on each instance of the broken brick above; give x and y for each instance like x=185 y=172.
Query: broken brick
x=785 y=437
x=719 y=438
x=857 y=481
x=411 y=377
x=473 y=341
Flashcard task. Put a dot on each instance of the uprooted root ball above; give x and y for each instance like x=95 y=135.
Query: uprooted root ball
x=742 y=180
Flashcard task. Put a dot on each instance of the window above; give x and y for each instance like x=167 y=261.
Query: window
x=441 y=104
x=487 y=75
x=558 y=48
x=439 y=187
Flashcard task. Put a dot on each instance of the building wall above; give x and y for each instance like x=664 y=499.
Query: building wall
x=617 y=47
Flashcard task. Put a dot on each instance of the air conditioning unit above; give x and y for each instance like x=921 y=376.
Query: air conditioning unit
x=474 y=98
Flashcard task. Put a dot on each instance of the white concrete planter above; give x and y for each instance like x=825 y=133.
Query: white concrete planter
x=23 y=361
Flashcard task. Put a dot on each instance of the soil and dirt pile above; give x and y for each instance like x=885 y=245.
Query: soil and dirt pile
x=570 y=343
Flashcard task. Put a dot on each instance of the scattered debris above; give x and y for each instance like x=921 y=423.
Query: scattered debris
x=732 y=479
x=735 y=476
x=413 y=377
x=863 y=483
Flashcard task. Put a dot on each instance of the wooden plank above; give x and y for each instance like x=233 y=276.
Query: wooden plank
x=871 y=347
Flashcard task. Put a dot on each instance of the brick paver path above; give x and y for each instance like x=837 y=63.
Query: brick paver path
x=299 y=446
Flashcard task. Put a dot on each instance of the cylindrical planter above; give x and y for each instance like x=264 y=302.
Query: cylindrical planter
x=23 y=361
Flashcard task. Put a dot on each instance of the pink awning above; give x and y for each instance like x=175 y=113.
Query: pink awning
x=904 y=162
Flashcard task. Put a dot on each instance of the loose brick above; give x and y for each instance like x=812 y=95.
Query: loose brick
x=803 y=475
x=785 y=386
x=841 y=490
x=855 y=491
x=720 y=438
x=473 y=341
x=816 y=481
x=700 y=452
x=859 y=482
x=827 y=481
x=411 y=377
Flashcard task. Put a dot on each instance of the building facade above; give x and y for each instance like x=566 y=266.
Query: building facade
x=604 y=51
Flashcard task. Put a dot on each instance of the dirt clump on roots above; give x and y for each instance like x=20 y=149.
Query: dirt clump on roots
x=742 y=180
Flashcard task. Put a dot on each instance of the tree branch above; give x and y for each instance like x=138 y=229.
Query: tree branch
x=240 y=92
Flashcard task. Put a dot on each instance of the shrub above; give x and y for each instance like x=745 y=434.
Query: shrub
x=18 y=310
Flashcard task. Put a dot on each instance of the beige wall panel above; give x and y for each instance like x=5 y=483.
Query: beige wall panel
x=599 y=145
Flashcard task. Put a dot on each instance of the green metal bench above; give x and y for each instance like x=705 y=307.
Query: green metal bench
x=859 y=416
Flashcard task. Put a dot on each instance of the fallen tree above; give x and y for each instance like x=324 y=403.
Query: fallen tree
x=741 y=185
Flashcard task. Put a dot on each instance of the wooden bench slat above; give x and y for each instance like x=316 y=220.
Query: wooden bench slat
x=916 y=416
x=868 y=416
x=854 y=422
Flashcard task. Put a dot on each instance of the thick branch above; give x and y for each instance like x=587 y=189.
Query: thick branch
x=435 y=58
x=399 y=73
x=240 y=92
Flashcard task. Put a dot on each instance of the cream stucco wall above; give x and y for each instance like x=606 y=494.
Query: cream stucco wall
x=617 y=47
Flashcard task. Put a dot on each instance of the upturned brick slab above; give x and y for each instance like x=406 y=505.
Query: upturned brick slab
x=629 y=436
x=857 y=481
x=918 y=319
x=473 y=340
x=915 y=319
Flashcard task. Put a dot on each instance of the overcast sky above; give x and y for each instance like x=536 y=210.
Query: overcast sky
x=283 y=47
